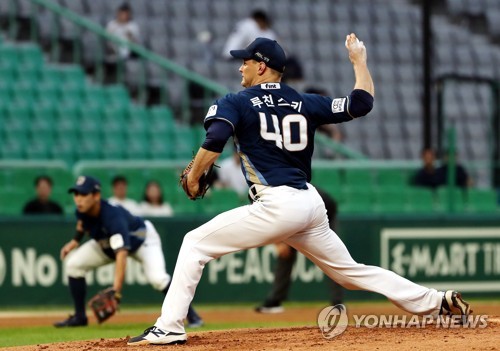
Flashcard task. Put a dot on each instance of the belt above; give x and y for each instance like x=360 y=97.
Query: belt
x=255 y=189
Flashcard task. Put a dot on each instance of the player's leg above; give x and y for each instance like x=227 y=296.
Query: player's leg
x=150 y=255
x=322 y=246
x=153 y=261
x=281 y=283
x=77 y=264
x=280 y=212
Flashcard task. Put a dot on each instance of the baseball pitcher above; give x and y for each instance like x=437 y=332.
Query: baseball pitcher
x=273 y=128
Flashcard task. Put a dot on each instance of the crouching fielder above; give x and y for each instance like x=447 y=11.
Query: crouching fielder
x=115 y=234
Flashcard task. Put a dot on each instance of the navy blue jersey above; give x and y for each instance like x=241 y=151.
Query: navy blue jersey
x=114 y=229
x=274 y=130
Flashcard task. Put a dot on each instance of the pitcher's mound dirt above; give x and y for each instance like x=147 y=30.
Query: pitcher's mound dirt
x=310 y=338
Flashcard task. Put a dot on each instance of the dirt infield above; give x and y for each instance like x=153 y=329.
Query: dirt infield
x=296 y=338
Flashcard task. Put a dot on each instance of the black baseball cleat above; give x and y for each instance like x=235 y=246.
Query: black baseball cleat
x=453 y=304
x=72 y=321
x=156 y=336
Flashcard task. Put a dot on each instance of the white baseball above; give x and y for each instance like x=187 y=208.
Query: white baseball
x=357 y=41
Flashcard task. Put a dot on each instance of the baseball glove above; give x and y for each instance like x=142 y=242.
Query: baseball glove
x=204 y=182
x=104 y=304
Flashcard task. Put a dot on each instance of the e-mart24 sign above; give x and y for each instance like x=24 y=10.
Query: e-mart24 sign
x=466 y=259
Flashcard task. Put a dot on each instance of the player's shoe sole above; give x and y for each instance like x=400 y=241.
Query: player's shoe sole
x=453 y=304
x=157 y=336
x=270 y=310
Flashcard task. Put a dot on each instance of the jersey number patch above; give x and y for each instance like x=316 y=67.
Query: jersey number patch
x=285 y=139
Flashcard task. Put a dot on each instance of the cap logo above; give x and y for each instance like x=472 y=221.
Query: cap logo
x=80 y=180
x=262 y=57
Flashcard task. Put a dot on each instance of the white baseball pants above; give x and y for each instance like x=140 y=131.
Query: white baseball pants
x=297 y=217
x=90 y=256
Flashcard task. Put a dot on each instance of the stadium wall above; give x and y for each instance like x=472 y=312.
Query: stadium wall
x=461 y=252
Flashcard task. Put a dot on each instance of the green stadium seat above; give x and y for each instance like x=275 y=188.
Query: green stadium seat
x=18 y=110
x=48 y=92
x=89 y=148
x=391 y=200
x=421 y=200
x=7 y=72
x=136 y=126
x=9 y=54
x=137 y=147
x=356 y=200
x=28 y=73
x=392 y=178
x=51 y=74
x=5 y=93
x=199 y=134
x=115 y=113
x=358 y=178
x=41 y=128
x=459 y=197
x=113 y=129
x=71 y=73
x=72 y=91
x=90 y=119
x=15 y=130
x=113 y=149
x=24 y=91
x=30 y=54
x=482 y=201
x=160 y=150
x=63 y=149
x=67 y=113
x=95 y=95
x=37 y=150
x=327 y=180
x=44 y=111
x=12 y=150
x=185 y=143
x=117 y=95
x=162 y=113
x=137 y=112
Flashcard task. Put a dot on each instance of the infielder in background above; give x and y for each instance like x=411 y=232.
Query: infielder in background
x=115 y=234
x=273 y=128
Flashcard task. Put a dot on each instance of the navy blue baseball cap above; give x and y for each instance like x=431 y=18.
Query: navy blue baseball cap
x=263 y=50
x=85 y=185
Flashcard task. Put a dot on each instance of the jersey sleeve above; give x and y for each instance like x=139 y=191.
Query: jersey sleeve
x=224 y=109
x=325 y=110
x=117 y=229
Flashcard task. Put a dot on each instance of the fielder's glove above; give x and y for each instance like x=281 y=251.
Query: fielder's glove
x=104 y=304
x=204 y=182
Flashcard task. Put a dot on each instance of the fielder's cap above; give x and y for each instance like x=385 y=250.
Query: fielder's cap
x=86 y=185
x=263 y=50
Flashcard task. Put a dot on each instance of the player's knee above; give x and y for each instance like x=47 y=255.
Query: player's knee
x=74 y=269
x=159 y=281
